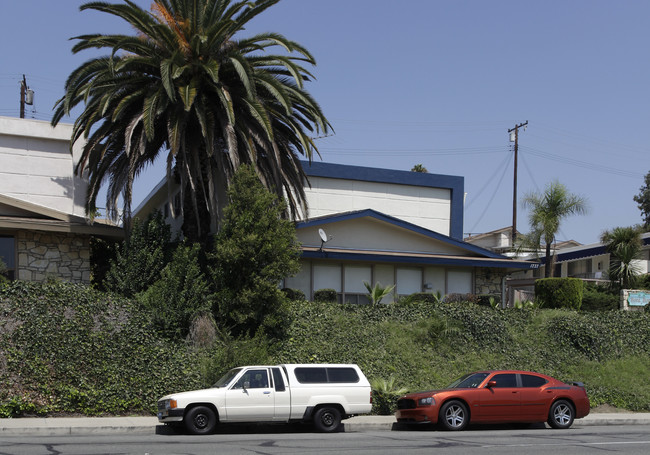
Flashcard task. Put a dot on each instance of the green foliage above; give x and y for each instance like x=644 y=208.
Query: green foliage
x=67 y=348
x=559 y=293
x=377 y=292
x=325 y=295
x=545 y=215
x=599 y=298
x=177 y=88
x=624 y=246
x=294 y=294
x=180 y=295
x=3 y=271
x=254 y=250
x=643 y=200
x=462 y=298
x=140 y=259
x=385 y=394
x=419 y=298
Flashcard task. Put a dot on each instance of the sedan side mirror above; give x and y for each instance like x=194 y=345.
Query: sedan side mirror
x=491 y=384
x=247 y=385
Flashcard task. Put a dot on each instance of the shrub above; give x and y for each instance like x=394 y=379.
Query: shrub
x=559 y=293
x=461 y=298
x=66 y=348
x=294 y=294
x=141 y=257
x=325 y=296
x=384 y=395
x=180 y=295
x=254 y=250
x=422 y=297
x=599 y=298
x=489 y=300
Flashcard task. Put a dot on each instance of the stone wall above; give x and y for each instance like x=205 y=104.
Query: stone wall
x=42 y=255
x=488 y=281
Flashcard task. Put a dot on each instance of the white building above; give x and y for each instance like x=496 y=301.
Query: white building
x=393 y=227
x=43 y=228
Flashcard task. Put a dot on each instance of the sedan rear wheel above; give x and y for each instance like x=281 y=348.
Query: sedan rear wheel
x=561 y=415
x=454 y=416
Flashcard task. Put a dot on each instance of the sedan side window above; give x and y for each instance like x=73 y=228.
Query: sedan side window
x=505 y=380
x=528 y=380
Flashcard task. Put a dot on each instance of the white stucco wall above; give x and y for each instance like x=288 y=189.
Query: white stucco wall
x=372 y=234
x=426 y=207
x=37 y=166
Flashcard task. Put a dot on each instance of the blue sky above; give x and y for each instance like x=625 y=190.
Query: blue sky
x=435 y=82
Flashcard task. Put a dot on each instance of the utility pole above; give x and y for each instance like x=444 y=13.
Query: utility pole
x=514 y=137
x=23 y=90
x=26 y=96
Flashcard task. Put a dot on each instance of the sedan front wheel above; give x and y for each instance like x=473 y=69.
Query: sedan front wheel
x=454 y=415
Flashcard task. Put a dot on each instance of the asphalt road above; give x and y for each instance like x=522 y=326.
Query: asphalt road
x=634 y=439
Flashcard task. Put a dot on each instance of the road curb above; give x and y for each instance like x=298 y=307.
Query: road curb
x=149 y=425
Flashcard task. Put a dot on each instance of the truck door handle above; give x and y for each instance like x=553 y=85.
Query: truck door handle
x=267 y=392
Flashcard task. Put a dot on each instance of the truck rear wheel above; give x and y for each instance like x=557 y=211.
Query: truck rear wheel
x=327 y=419
x=200 y=420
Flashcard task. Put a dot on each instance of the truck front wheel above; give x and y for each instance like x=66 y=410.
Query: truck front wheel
x=200 y=420
x=327 y=419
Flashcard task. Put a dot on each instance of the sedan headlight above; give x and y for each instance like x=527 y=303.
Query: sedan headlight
x=428 y=401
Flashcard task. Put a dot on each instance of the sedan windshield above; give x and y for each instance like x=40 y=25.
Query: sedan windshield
x=469 y=381
x=226 y=378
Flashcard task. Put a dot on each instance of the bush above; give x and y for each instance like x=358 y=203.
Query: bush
x=420 y=298
x=559 y=293
x=180 y=295
x=599 y=298
x=141 y=257
x=461 y=298
x=66 y=348
x=294 y=294
x=489 y=299
x=325 y=296
x=254 y=250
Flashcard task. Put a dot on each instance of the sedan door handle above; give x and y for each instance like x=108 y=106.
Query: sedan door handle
x=267 y=392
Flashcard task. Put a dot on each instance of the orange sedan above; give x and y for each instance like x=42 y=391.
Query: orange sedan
x=504 y=396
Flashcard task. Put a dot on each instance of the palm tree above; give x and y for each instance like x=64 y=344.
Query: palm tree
x=547 y=211
x=186 y=85
x=377 y=292
x=624 y=246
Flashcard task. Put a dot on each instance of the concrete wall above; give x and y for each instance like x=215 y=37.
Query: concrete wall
x=45 y=254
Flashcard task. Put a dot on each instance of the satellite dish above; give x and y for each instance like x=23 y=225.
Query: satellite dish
x=323 y=238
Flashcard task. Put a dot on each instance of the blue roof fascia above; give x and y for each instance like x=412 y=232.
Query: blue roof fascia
x=596 y=250
x=455 y=184
x=454 y=261
x=400 y=223
x=579 y=254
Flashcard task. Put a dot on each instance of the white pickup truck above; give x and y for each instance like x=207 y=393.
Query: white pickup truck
x=319 y=393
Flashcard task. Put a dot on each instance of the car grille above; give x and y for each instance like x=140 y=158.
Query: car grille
x=406 y=403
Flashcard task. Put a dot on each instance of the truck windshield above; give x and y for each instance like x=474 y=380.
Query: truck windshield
x=226 y=378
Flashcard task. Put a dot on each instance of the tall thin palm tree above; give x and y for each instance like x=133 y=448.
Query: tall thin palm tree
x=546 y=212
x=187 y=85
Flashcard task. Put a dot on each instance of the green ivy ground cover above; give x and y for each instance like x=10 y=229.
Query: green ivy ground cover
x=69 y=349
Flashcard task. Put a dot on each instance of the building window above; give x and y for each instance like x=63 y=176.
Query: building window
x=8 y=255
x=409 y=281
